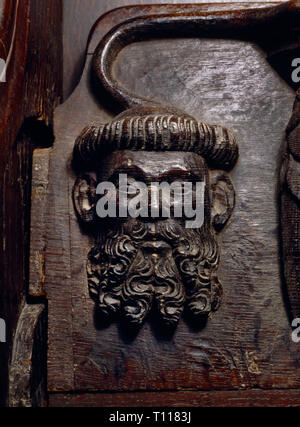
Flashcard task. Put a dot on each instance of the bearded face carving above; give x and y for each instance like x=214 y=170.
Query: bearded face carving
x=150 y=263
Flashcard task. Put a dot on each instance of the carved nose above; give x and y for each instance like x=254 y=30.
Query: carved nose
x=158 y=205
x=154 y=205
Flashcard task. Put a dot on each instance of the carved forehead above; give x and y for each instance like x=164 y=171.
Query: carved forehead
x=153 y=163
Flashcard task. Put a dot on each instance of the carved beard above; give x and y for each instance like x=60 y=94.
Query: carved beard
x=139 y=265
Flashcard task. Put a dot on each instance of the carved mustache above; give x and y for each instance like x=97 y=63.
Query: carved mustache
x=169 y=230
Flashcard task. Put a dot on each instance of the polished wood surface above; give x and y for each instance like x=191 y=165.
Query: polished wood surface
x=80 y=16
x=245 y=356
x=32 y=89
x=247 y=344
x=186 y=399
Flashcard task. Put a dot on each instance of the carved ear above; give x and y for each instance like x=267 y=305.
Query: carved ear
x=223 y=199
x=84 y=197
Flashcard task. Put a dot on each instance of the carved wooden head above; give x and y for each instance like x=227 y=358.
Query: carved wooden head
x=147 y=261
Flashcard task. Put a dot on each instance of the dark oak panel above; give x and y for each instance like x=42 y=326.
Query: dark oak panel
x=247 y=343
x=33 y=88
x=80 y=16
x=253 y=398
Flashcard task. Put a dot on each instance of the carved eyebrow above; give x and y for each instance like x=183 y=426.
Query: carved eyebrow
x=138 y=173
x=176 y=172
x=132 y=170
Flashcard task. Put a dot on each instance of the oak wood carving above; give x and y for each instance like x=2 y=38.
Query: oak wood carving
x=142 y=127
x=237 y=350
x=144 y=262
x=30 y=88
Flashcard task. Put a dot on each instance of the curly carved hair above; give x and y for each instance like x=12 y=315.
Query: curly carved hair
x=149 y=130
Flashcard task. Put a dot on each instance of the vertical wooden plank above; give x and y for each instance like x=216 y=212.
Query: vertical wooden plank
x=32 y=90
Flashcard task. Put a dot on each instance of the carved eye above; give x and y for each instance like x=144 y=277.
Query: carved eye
x=127 y=186
x=132 y=187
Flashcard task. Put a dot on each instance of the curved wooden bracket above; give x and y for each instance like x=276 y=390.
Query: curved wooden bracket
x=225 y=20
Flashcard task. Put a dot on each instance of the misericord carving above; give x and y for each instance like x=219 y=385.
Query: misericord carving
x=143 y=263
x=139 y=264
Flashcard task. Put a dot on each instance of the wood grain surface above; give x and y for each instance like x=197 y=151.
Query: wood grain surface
x=32 y=89
x=80 y=16
x=247 y=344
x=253 y=337
x=200 y=399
